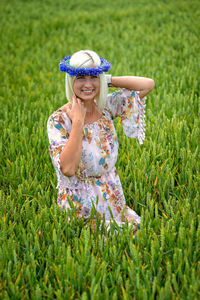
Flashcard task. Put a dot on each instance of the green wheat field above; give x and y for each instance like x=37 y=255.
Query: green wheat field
x=42 y=256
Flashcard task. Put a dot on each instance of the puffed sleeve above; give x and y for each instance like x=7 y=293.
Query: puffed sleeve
x=58 y=129
x=128 y=105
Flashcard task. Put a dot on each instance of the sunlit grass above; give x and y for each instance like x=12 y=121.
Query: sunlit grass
x=42 y=255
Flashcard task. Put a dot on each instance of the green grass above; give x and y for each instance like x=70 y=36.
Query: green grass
x=41 y=255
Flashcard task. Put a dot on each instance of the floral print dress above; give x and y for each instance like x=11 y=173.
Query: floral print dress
x=96 y=181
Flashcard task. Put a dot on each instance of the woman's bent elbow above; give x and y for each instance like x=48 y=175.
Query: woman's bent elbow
x=151 y=84
x=69 y=172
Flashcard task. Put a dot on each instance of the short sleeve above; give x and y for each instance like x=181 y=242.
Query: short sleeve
x=58 y=129
x=128 y=105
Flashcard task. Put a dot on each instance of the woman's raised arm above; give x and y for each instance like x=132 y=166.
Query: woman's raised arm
x=142 y=84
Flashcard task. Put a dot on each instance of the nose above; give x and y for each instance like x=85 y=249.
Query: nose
x=88 y=82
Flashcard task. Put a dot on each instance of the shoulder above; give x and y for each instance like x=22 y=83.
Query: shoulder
x=59 y=117
x=120 y=93
x=118 y=96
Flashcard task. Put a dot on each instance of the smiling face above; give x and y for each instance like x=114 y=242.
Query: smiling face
x=86 y=87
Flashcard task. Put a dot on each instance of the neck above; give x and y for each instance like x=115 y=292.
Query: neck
x=90 y=106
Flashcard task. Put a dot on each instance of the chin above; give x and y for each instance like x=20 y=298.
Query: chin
x=87 y=98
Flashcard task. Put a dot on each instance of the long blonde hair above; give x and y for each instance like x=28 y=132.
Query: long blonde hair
x=87 y=58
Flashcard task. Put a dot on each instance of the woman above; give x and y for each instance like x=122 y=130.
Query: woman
x=83 y=140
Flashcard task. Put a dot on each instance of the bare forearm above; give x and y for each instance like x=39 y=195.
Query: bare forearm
x=142 y=84
x=71 y=154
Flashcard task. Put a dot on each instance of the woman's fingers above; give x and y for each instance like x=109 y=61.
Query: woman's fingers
x=78 y=106
x=79 y=101
x=74 y=99
x=75 y=110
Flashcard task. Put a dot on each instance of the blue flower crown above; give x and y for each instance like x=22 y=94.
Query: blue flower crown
x=64 y=66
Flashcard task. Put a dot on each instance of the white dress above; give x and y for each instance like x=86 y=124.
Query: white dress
x=96 y=181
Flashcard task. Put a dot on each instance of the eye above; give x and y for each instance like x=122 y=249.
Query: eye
x=94 y=76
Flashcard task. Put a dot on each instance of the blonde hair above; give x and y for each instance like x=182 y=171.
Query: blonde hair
x=87 y=58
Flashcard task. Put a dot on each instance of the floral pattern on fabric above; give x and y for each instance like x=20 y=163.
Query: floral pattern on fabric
x=128 y=105
x=96 y=181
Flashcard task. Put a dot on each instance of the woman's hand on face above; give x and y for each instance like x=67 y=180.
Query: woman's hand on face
x=76 y=111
